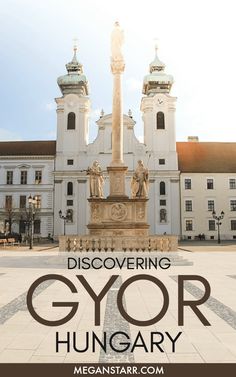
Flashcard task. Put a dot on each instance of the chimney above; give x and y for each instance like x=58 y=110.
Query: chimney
x=193 y=139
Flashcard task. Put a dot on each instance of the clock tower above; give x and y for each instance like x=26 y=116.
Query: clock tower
x=71 y=148
x=158 y=108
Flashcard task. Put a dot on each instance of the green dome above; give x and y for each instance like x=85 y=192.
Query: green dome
x=157 y=81
x=75 y=81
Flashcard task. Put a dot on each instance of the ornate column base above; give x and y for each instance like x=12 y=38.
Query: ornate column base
x=117 y=181
x=115 y=217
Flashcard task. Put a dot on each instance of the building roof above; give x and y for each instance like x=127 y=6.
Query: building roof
x=28 y=148
x=193 y=157
x=212 y=157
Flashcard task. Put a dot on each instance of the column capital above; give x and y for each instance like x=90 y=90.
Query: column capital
x=117 y=66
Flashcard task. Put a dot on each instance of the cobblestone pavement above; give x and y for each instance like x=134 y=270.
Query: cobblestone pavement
x=113 y=321
x=22 y=339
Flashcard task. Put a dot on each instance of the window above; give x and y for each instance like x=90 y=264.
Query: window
x=187 y=184
x=233 y=224
x=69 y=188
x=69 y=214
x=70 y=162
x=233 y=205
x=23 y=201
x=22 y=226
x=232 y=183
x=37 y=226
x=210 y=184
x=37 y=199
x=69 y=202
x=188 y=205
x=189 y=225
x=8 y=202
x=71 y=121
x=212 y=225
x=162 y=202
x=9 y=177
x=160 y=121
x=38 y=176
x=211 y=205
x=162 y=188
x=162 y=161
x=23 y=177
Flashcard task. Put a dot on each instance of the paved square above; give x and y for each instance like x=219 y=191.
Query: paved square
x=22 y=339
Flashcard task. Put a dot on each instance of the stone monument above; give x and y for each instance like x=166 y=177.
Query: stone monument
x=118 y=215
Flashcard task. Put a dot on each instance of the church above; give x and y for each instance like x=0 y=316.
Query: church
x=187 y=180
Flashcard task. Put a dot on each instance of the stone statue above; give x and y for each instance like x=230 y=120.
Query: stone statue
x=163 y=215
x=96 y=180
x=139 y=182
x=117 y=40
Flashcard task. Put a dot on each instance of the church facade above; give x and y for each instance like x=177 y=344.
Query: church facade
x=187 y=180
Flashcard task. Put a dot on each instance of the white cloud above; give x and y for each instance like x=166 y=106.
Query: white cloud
x=95 y=114
x=133 y=84
x=50 y=106
x=6 y=135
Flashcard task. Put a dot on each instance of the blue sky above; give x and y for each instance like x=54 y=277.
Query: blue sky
x=196 y=41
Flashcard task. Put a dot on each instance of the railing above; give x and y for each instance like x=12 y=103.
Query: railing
x=89 y=243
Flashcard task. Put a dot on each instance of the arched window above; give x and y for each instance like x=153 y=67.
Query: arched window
x=71 y=121
x=160 y=120
x=69 y=188
x=162 y=188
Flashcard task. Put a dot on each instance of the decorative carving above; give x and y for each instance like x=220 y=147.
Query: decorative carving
x=96 y=180
x=140 y=213
x=117 y=184
x=95 y=212
x=117 y=67
x=118 y=211
x=139 y=182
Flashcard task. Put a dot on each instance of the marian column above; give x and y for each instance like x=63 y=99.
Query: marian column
x=117 y=169
x=117 y=216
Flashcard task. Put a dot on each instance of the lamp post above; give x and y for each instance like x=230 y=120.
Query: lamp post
x=218 y=221
x=64 y=218
x=32 y=203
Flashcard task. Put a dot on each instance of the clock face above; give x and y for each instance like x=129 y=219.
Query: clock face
x=160 y=101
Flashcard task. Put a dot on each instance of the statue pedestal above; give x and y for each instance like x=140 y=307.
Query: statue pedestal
x=117 y=181
x=118 y=216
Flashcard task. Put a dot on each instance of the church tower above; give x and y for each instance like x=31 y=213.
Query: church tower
x=72 y=113
x=72 y=139
x=158 y=108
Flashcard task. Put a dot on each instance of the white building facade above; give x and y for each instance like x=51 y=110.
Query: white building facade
x=54 y=172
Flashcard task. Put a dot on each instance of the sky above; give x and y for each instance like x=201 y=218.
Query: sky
x=196 y=40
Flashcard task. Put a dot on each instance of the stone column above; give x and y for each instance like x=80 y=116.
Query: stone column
x=117 y=68
x=117 y=169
